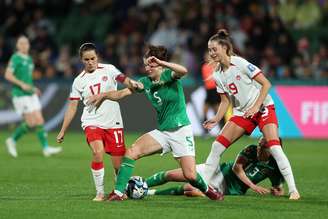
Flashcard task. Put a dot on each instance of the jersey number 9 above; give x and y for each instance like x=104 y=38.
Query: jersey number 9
x=233 y=88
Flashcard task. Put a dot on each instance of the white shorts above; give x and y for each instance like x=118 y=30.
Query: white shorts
x=215 y=180
x=26 y=104
x=180 y=141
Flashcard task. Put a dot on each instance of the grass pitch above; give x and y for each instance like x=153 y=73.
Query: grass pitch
x=32 y=186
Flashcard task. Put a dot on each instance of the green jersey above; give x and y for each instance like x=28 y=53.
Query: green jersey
x=22 y=67
x=255 y=170
x=167 y=97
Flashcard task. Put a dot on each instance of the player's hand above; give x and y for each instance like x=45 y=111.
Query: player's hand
x=136 y=85
x=260 y=190
x=95 y=100
x=211 y=123
x=60 y=137
x=26 y=87
x=277 y=191
x=251 y=112
x=153 y=61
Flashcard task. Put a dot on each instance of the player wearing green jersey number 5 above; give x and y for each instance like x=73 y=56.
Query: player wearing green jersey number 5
x=164 y=90
x=25 y=99
x=252 y=165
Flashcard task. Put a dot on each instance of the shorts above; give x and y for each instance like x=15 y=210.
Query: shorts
x=180 y=141
x=265 y=116
x=113 y=139
x=215 y=180
x=212 y=97
x=26 y=104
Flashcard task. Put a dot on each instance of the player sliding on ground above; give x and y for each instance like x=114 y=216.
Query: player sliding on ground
x=103 y=126
x=252 y=165
x=164 y=90
x=248 y=90
x=25 y=99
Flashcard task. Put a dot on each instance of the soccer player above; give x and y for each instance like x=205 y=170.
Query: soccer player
x=163 y=89
x=252 y=165
x=103 y=125
x=248 y=90
x=25 y=99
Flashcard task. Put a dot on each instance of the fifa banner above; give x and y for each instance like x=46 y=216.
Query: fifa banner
x=302 y=110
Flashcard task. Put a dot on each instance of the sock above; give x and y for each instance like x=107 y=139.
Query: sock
x=176 y=190
x=124 y=175
x=156 y=179
x=284 y=166
x=98 y=173
x=42 y=135
x=199 y=183
x=213 y=159
x=20 y=131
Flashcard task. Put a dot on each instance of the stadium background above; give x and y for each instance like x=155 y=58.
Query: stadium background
x=288 y=39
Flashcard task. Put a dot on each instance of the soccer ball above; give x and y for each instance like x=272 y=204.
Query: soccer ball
x=137 y=188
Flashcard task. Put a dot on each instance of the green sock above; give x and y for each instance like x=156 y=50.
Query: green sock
x=42 y=135
x=156 y=179
x=199 y=183
x=20 y=131
x=124 y=174
x=176 y=190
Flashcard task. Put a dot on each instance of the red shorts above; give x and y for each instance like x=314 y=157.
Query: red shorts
x=113 y=139
x=264 y=116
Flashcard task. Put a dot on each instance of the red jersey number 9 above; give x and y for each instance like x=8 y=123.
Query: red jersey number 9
x=233 y=88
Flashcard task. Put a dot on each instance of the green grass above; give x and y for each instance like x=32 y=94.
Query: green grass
x=32 y=186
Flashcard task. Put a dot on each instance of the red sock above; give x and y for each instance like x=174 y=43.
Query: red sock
x=97 y=165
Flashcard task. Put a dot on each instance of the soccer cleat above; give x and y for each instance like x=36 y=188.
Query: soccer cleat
x=48 y=151
x=294 y=196
x=99 y=198
x=11 y=147
x=151 y=192
x=115 y=197
x=214 y=195
x=194 y=193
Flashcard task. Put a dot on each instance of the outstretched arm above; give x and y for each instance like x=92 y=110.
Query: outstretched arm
x=223 y=107
x=179 y=70
x=238 y=169
x=69 y=115
x=114 y=95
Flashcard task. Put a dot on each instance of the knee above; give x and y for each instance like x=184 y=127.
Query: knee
x=97 y=155
x=169 y=175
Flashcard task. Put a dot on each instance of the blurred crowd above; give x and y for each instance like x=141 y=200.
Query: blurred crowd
x=264 y=32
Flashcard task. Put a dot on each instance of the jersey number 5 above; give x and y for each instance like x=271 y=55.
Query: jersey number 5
x=233 y=88
x=95 y=87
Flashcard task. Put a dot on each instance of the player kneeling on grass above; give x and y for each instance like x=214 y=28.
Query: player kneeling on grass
x=103 y=126
x=25 y=99
x=252 y=165
x=163 y=89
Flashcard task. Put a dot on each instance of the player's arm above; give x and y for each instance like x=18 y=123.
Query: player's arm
x=114 y=95
x=179 y=70
x=129 y=83
x=69 y=115
x=238 y=169
x=223 y=107
x=266 y=85
x=9 y=76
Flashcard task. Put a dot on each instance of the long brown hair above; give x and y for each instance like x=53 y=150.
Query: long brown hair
x=159 y=52
x=222 y=38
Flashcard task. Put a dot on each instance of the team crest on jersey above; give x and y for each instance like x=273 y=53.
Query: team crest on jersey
x=104 y=78
x=238 y=77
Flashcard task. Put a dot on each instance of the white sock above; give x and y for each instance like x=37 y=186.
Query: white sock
x=98 y=178
x=213 y=159
x=284 y=166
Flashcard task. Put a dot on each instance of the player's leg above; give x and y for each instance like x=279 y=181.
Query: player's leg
x=270 y=132
x=145 y=145
x=232 y=131
x=163 y=177
x=97 y=166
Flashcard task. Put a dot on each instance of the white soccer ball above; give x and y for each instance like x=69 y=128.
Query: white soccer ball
x=137 y=188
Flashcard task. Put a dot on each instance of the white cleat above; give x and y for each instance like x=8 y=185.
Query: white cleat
x=294 y=196
x=11 y=147
x=151 y=192
x=99 y=198
x=48 y=151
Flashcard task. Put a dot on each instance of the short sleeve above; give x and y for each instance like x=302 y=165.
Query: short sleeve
x=248 y=68
x=219 y=89
x=75 y=91
x=13 y=63
x=219 y=86
x=113 y=71
x=167 y=76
